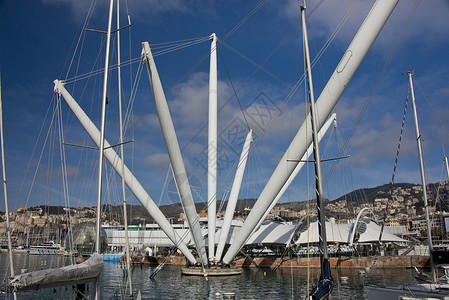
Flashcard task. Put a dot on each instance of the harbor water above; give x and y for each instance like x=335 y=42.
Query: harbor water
x=285 y=283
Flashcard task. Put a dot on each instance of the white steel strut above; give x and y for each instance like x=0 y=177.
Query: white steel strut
x=131 y=181
x=212 y=149
x=332 y=92
x=174 y=152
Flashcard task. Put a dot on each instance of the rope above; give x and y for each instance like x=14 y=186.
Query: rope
x=255 y=64
x=442 y=124
x=378 y=81
x=40 y=158
x=233 y=88
x=394 y=170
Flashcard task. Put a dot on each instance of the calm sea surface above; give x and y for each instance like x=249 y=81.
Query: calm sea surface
x=285 y=283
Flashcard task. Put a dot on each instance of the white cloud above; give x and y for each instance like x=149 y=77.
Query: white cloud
x=429 y=24
x=158 y=161
x=141 y=9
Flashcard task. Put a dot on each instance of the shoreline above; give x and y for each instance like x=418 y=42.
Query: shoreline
x=382 y=262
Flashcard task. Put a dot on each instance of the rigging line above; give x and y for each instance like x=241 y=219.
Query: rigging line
x=394 y=170
x=35 y=147
x=255 y=64
x=179 y=42
x=244 y=83
x=178 y=47
x=81 y=36
x=334 y=35
x=243 y=21
x=158 y=50
x=171 y=43
x=165 y=184
x=100 y=71
x=65 y=184
x=400 y=139
x=293 y=89
x=430 y=105
x=233 y=88
x=207 y=55
x=128 y=114
x=40 y=157
x=379 y=79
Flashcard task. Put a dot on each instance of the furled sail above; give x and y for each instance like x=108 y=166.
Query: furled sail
x=68 y=275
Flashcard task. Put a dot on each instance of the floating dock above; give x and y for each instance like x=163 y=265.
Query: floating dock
x=212 y=271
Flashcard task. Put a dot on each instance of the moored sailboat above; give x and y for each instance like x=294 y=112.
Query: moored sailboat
x=325 y=284
x=435 y=289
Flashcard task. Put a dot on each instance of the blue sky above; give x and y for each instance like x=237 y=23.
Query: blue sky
x=37 y=45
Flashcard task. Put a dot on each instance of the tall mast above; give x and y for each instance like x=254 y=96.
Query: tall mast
x=325 y=283
x=327 y=100
x=423 y=179
x=125 y=216
x=8 y=228
x=332 y=119
x=212 y=149
x=101 y=148
x=316 y=146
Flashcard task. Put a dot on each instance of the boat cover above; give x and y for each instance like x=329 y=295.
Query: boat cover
x=68 y=275
x=325 y=284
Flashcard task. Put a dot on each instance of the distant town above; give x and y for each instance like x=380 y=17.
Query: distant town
x=398 y=205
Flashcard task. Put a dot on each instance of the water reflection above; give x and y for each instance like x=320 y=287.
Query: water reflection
x=285 y=283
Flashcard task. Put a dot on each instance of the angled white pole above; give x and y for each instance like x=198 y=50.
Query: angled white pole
x=131 y=181
x=232 y=201
x=8 y=228
x=332 y=92
x=122 y=155
x=174 y=152
x=423 y=178
x=212 y=149
x=447 y=167
x=321 y=133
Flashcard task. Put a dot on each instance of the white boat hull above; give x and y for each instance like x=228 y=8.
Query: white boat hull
x=44 y=251
x=50 y=248
x=418 y=291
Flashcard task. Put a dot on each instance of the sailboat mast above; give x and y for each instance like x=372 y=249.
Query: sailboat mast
x=423 y=179
x=332 y=120
x=101 y=149
x=8 y=228
x=316 y=148
x=212 y=149
x=125 y=215
x=102 y=128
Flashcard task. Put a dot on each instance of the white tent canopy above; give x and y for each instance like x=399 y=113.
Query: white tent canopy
x=369 y=232
x=335 y=233
x=272 y=233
